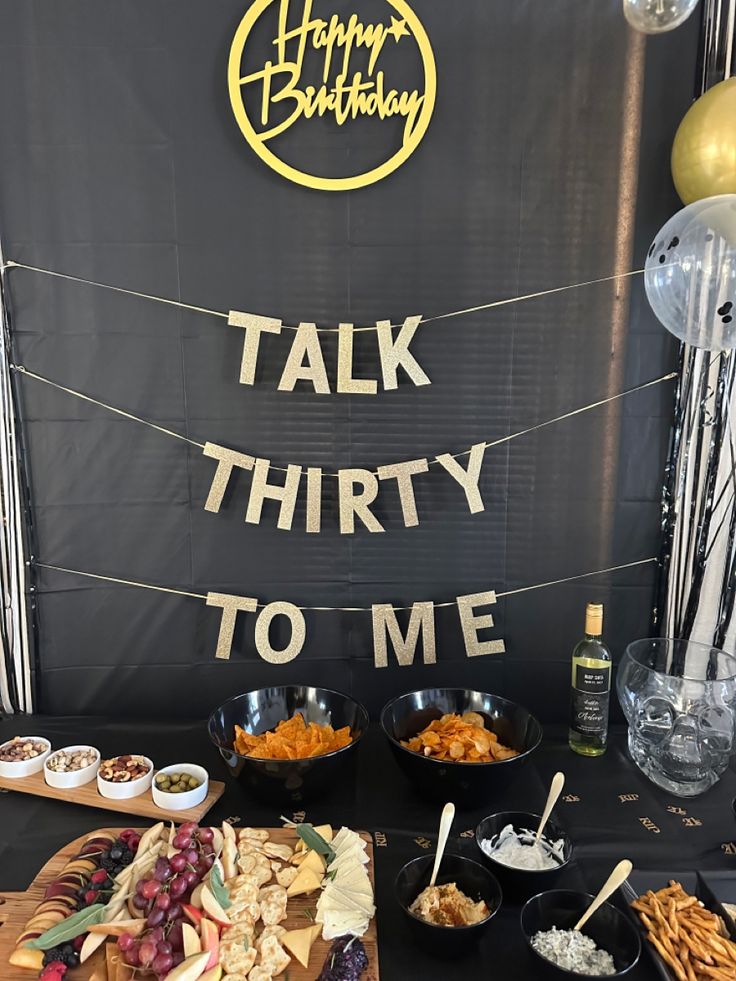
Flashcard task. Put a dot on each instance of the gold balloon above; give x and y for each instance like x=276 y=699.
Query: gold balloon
x=704 y=151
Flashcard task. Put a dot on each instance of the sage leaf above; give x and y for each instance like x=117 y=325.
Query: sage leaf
x=218 y=887
x=314 y=840
x=73 y=926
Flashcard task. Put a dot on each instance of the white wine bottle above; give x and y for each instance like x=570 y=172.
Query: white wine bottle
x=591 y=687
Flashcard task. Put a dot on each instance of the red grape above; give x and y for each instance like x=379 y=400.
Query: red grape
x=132 y=957
x=178 y=887
x=162 y=964
x=139 y=902
x=163 y=901
x=176 y=936
x=150 y=889
x=192 y=878
x=156 y=935
x=164 y=947
x=155 y=917
x=191 y=855
x=182 y=841
x=162 y=870
x=125 y=941
x=178 y=862
x=175 y=912
x=206 y=835
x=189 y=827
x=177 y=958
x=146 y=953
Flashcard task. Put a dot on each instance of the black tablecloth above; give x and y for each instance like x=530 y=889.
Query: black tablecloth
x=608 y=807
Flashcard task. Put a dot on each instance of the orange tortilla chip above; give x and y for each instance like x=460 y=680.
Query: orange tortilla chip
x=292 y=739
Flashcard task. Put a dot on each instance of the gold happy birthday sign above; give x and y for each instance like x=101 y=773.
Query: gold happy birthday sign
x=348 y=59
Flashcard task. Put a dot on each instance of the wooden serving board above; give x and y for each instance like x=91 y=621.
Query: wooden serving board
x=16 y=908
x=89 y=795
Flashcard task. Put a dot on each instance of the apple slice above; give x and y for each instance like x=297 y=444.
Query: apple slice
x=61 y=889
x=190 y=938
x=213 y=909
x=213 y=974
x=228 y=831
x=218 y=840
x=193 y=914
x=190 y=969
x=196 y=899
x=210 y=941
x=91 y=943
x=27 y=957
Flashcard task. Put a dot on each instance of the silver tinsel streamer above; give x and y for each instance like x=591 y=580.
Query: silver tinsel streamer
x=696 y=595
x=16 y=692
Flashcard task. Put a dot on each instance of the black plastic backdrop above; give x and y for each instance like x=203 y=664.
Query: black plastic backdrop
x=121 y=162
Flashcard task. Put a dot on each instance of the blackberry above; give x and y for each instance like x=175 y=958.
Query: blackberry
x=54 y=954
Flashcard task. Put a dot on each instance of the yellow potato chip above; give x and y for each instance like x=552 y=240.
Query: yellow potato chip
x=461 y=739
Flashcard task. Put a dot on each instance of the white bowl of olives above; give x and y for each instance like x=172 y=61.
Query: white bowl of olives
x=179 y=787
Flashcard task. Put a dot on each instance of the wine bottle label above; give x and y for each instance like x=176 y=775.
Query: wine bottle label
x=590 y=700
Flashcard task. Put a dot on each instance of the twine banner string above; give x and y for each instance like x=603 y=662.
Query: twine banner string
x=10 y=264
x=20 y=369
x=340 y=609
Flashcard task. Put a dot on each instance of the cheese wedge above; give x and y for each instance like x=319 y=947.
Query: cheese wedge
x=339 y=926
x=314 y=862
x=306 y=881
x=324 y=830
x=342 y=901
x=299 y=943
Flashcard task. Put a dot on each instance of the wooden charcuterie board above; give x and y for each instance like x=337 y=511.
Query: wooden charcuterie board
x=17 y=907
x=89 y=796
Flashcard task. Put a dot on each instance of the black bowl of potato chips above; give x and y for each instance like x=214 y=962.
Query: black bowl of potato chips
x=458 y=744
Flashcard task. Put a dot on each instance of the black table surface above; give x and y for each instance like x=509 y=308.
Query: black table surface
x=608 y=807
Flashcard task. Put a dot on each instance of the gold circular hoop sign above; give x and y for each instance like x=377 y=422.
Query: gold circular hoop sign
x=350 y=82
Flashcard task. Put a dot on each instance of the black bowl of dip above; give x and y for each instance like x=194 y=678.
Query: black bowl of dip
x=611 y=930
x=519 y=883
x=470 y=877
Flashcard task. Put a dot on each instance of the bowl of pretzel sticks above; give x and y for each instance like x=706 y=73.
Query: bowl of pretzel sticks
x=690 y=939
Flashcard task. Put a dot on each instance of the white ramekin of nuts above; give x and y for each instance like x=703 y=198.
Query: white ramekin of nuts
x=123 y=777
x=72 y=766
x=22 y=756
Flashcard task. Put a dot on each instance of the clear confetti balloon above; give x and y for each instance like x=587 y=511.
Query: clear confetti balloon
x=690 y=274
x=657 y=16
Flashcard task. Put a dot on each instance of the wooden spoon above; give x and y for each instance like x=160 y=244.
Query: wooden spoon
x=448 y=816
x=555 y=789
x=617 y=878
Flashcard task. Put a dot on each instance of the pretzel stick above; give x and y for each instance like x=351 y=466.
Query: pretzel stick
x=667 y=957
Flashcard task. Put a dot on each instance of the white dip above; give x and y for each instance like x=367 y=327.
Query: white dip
x=573 y=951
x=520 y=850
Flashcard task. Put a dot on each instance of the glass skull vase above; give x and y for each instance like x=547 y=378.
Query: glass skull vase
x=679 y=699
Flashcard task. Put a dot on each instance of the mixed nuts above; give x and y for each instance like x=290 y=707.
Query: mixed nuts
x=122 y=769
x=20 y=750
x=67 y=761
